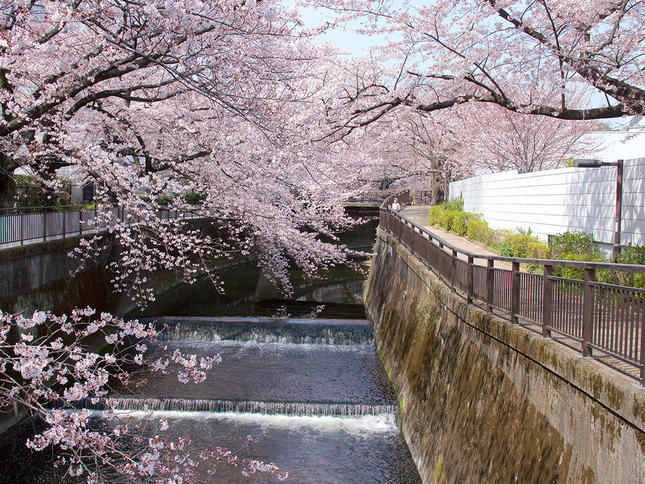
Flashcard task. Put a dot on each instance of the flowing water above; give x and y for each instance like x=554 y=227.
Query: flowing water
x=300 y=375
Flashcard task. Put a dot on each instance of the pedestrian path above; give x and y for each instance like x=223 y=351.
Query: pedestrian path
x=419 y=215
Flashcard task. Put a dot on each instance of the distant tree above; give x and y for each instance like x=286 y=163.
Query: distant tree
x=494 y=139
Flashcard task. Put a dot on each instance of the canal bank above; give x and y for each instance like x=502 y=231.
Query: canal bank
x=486 y=401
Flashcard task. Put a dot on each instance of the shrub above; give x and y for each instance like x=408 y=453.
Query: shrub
x=573 y=243
x=164 y=200
x=537 y=250
x=446 y=219
x=434 y=215
x=194 y=198
x=455 y=204
x=574 y=272
x=460 y=222
x=630 y=254
x=523 y=245
x=478 y=229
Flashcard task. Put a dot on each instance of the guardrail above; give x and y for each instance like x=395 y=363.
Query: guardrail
x=19 y=226
x=598 y=316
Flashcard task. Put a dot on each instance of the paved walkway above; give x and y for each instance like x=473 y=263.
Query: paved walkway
x=419 y=214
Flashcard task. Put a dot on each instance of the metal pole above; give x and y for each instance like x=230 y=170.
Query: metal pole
x=587 y=311
x=445 y=188
x=490 y=284
x=619 y=209
x=469 y=280
x=515 y=292
x=547 y=301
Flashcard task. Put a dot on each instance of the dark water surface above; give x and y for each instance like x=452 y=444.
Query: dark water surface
x=311 y=392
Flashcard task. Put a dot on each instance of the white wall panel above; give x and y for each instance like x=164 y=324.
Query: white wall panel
x=554 y=201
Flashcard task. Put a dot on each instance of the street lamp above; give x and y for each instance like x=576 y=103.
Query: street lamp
x=594 y=163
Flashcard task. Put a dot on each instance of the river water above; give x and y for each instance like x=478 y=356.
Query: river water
x=300 y=375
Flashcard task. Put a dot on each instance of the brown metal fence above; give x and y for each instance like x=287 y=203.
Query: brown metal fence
x=598 y=316
x=19 y=226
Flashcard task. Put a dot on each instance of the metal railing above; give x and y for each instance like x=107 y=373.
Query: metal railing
x=19 y=226
x=596 y=316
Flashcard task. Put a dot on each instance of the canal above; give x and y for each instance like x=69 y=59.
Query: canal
x=300 y=375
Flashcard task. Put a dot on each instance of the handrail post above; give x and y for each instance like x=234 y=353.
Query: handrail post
x=515 y=292
x=44 y=225
x=80 y=221
x=547 y=301
x=469 y=280
x=587 y=311
x=64 y=222
x=22 y=228
x=642 y=360
x=453 y=275
x=490 y=283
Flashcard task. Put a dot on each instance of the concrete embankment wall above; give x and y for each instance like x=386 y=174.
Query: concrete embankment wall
x=482 y=400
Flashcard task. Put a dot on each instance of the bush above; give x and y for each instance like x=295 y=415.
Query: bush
x=573 y=243
x=630 y=254
x=194 y=198
x=460 y=222
x=537 y=250
x=434 y=215
x=164 y=200
x=456 y=204
x=523 y=245
x=447 y=219
x=479 y=230
x=574 y=272
x=32 y=192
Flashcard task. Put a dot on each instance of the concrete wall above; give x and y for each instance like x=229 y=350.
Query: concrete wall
x=555 y=201
x=485 y=401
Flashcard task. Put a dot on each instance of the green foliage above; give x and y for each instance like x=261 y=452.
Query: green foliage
x=479 y=230
x=455 y=204
x=434 y=215
x=461 y=222
x=447 y=219
x=573 y=246
x=31 y=192
x=194 y=198
x=574 y=272
x=630 y=254
x=523 y=245
x=573 y=243
x=164 y=200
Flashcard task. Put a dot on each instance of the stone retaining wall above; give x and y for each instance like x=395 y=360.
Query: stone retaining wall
x=482 y=400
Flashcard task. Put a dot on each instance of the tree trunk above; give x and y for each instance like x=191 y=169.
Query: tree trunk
x=7 y=184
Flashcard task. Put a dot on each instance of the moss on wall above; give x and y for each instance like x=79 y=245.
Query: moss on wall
x=477 y=403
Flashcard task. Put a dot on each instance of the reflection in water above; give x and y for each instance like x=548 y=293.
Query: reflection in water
x=248 y=292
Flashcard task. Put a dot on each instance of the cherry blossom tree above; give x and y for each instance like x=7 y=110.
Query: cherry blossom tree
x=532 y=58
x=159 y=98
x=494 y=139
x=216 y=98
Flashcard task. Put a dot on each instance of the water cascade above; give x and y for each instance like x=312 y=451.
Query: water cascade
x=311 y=392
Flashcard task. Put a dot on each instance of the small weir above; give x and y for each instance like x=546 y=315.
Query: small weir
x=300 y=409
x=265 y=330
x=311 y=392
